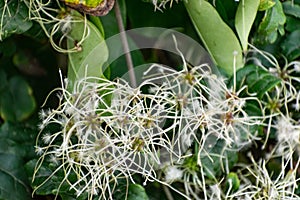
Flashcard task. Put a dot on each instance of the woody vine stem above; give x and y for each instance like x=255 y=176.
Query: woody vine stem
x=129 y=64
x=125 y=44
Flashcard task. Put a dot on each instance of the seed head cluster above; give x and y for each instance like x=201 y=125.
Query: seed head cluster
x=108 y=130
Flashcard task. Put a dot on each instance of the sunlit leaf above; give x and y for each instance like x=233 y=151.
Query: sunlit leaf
x=136 y=192
x=93 y=52
x=218 y=38
x=232 y=182
x=266 y=4
x=245 y=16
x=271 y=24
x=97 y=22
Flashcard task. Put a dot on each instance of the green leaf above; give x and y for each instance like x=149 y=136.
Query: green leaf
x=271 y=24
x=291 y=8
x=129 y=192
x=16 y=147
x=291 y=45
x=18 y=139
x=93 y=54
x=218 y=38
x=13 y=180
x=219 y=155
x=245 y=16
x=252 y=108
x=259 y=81
x=292 y=24
x=227 y=10
x=136 y=192
x=266 y=4
x=110 y=23
x=44 y=172
x=97 y=22
x=56 y=184
x=16 y=101
x=232 y=182
x=263 y=84
x=14 y=18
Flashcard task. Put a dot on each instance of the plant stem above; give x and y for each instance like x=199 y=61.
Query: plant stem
x=125 y=45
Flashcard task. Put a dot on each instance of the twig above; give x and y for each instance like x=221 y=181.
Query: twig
x=125 y=45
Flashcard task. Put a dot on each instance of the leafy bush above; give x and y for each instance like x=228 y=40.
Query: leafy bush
x=155 y=99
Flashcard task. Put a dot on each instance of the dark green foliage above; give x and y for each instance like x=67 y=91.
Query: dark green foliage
x=258 y=81
x=29 y=71
x=218 y=159
x=17 y=102
x=14 y=18
x=291 y=45
x=56 y=184
x=16 y=148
